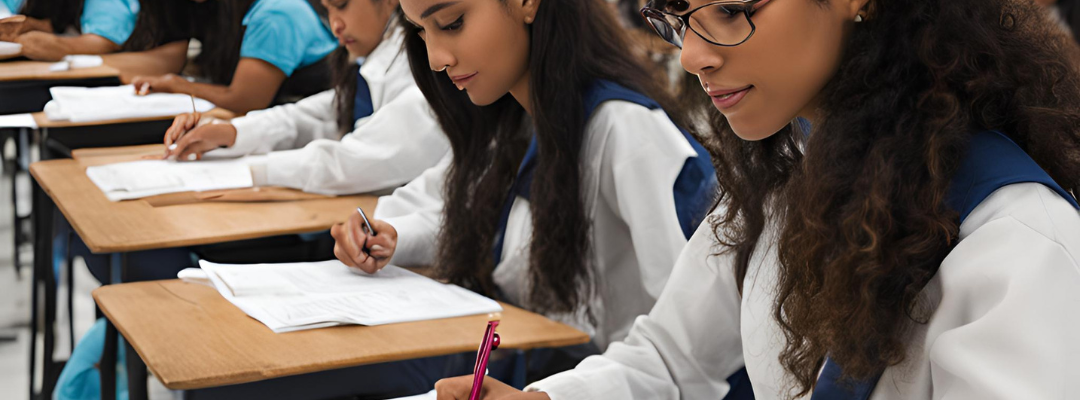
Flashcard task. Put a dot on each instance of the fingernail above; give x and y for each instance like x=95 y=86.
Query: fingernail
x=172 y=147
x=377 y=248
x=191 y=157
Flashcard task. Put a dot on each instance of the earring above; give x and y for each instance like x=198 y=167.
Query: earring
x=858 y=18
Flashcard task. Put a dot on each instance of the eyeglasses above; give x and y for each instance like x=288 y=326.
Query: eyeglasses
x=722 y=23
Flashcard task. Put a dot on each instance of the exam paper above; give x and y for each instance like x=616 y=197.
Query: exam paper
x=18 y=121
x=432 y=395
x=297 y=296
x=79 y=104
x=138 y=179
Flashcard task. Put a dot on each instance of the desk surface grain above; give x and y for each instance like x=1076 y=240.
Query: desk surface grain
x=192 y=338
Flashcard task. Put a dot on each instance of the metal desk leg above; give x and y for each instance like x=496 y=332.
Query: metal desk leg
x=137 y=374
x=108 y=362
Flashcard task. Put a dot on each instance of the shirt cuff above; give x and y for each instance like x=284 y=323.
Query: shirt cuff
x=247 y=136
x=415 y=247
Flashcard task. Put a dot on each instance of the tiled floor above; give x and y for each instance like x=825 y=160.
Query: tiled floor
x=15 y=306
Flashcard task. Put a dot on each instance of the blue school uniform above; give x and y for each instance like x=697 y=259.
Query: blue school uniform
x=110 y=19
x=12 y=6
x=285 y=33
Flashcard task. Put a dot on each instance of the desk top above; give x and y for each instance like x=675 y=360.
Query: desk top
x=133 y=225
x=192 y=338
x=44 y=121
x=39 y=71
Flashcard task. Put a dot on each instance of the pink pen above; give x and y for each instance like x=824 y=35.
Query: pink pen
x=491 y=342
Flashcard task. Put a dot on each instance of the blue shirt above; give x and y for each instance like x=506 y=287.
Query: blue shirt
x=13 y=6
x=285 y=33
x=110 y=19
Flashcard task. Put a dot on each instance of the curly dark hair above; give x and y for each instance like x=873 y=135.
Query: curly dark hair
x=859 y=204
x=573 y=43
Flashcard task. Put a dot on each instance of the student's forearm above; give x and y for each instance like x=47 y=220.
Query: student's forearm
x=164 y=59
x=49 y=47
x=225 y=97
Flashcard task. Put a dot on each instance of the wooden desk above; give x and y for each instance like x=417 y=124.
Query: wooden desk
x=121 y=227
x=44 y=121
x=192 y=338
x=39 y=71
x=126 y=226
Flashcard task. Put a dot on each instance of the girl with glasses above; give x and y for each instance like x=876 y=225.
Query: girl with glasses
x=896 y=217
x=570 y=191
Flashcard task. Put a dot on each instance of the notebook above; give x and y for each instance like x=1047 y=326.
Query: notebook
x=138 y=179
x=298 y=296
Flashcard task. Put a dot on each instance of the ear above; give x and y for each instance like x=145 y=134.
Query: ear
x=529 y=8
x=858 y=8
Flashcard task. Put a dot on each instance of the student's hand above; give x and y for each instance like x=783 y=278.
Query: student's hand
x=40 y=46
x=12 y=27
x=200 y=140
x=168 y=83
x=357 y=250
x=458 y=389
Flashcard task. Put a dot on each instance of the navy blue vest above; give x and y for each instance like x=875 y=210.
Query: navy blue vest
x=693 y=190
x=992 y=162
x=362 y=105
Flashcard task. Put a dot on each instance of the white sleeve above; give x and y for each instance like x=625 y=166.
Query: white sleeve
x=415 y=211
x=644 y=154
x=686 y=347
x=1008 y=316
x=287 y=126
x=387 y=150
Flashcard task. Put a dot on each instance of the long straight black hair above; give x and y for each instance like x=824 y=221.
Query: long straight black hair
x=573 y=43
x=161 y=22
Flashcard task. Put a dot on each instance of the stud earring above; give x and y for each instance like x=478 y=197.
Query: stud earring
x=859 y=18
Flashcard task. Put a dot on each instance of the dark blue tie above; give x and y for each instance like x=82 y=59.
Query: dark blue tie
x=362 y=106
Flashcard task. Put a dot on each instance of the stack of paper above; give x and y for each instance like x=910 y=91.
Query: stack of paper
x=138 y=179
x=78 y=104
x=298 y=296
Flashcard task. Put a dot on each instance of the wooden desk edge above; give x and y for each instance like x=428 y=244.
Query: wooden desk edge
x=44 y=122
x=271 y=373
x=97 y=248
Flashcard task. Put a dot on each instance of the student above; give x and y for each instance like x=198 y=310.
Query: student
x=569 y=191
x=102 y=26
x=394 y=137
x=913 y=245
x=249 y=49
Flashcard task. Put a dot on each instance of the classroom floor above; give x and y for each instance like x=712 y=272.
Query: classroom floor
x=15 y=303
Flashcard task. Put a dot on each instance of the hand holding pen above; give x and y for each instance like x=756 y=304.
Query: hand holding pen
x=362 y=244
x=192 y=135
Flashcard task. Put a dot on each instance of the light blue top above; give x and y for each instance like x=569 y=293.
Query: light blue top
x=12 y=6
x=110 y=19
x=285 y=33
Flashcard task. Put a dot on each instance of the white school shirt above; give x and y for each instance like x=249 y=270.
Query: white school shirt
x=1006 y=324
x=632 y=157
x=387 y=149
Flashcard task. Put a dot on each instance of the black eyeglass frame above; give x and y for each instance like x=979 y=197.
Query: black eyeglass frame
x=650 y=13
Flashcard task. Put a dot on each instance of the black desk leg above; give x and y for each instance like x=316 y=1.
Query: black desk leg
x=70 y=267
x=137 y=375
x=107 y=367
x=108 y=362
x=43 y=271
